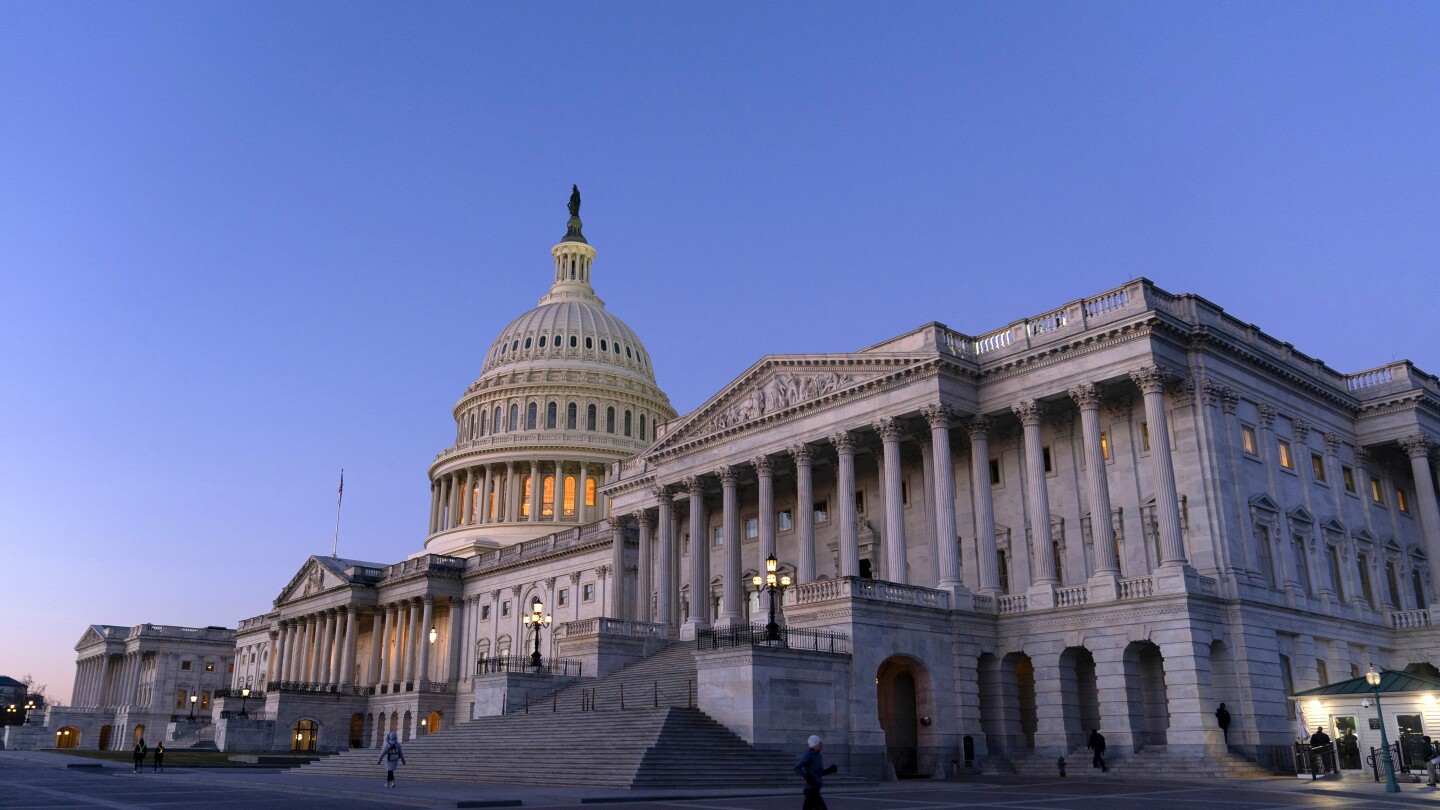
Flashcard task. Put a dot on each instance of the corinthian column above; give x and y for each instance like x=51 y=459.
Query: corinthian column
x=645 y=567
x=346 y=677
x=615 y=594
x=1102 y=531
x=699 y=562
x=1151 y=381
x=434 y=506
x=469 y=506
x=804 y=514
x=730 y=515
x=665 y=558
x=1038 y=504
x=422 y=640
x=1418 y=449
x=535 y=486
x=946 y=549
x=845 y=493
x=896 y=560
x=980 y=490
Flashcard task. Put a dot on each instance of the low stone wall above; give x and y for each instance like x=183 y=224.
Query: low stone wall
x=499 y=692
x=775 y=697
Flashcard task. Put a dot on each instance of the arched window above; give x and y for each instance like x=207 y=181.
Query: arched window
x=642 y=426
x=628 y=355
x=590 y=417
x=485 y=419
x=495 y=421
x=572 y=341
x=571 y=411
x=525 y=496
x=550 y=416
x=569 y=499
x=589 y=491
x=610 y=420
x=589 y=342
x=516 y=345
x=530 y=416
x=617 y=348
x=627 y=424
x=547 y=496
x=558 y=342
x=604 y=347
x=542 y=341
x=527 y=342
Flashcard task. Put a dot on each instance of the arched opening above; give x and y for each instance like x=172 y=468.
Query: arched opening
x=1080 y=695
x=357 y=730
x=105 y=732
x=571 y=411
x=531 y=414
x=901 y=685
x=432 y=723
x=405 y=727
x=550 y=416
x=1007 y=703
x=1224 y=685
x=368 y=732
x=1145 y=693
x=1025 y=694
x=589 y=416
x=1423 y=668
x=69 y=737
x=304 y=735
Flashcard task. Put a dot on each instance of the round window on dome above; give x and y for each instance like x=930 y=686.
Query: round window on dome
x=542 y=341
x=572 y=341
x=617 y=348
x=589 y=343
x=515 y=345
x=527 y=342
x=559 y=341
x=627 y=352
x=604 y=347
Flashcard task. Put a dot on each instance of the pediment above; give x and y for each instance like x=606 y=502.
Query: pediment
x=778 y=385
x=1265 y=504
x=1364 y=536
x=1302 y=515
x=1332 y=524
x=312 y=578
x=91 y=636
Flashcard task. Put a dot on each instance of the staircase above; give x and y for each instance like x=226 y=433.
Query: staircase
x=644 y=746
x=1151 y=762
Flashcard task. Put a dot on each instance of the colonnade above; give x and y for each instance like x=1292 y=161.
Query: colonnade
x=319 y=649
x=106 y=679
x=661 y=573
x=497 y=494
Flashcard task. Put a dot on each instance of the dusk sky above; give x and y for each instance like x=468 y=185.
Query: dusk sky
x=244 y=245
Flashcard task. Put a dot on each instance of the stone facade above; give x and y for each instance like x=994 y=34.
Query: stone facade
x=1117 y=514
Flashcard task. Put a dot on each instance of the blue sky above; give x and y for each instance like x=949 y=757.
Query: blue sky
x=243 y=245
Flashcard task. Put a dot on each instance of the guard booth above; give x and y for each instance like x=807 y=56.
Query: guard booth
x=1409 y=708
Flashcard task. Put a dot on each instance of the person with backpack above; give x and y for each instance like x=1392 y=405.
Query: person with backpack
x=812 y=767
x=140 y=751
x=392 y=755
x=159 y=757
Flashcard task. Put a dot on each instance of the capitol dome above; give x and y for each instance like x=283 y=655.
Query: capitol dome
x=565 y=390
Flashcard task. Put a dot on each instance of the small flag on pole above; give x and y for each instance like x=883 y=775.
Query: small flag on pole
x=339 y=499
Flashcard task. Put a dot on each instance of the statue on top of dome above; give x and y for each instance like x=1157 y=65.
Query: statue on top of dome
x=574 y=200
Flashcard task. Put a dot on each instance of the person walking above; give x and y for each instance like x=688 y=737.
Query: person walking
x=1097 y=744
x=159 y=757
x=1223 y=718
x=140 y=750
x=392 y=755
x=812 y=767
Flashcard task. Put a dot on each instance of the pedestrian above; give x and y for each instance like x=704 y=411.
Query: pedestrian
x=1432 y=758
x=812 y=767
x=140 y=750
x=160 y=757
x=1223 y=718
x=1320 y=747
x=1097 y=744
x=392 y=755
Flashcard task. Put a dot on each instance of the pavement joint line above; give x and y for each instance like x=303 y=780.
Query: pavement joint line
x=79 y=798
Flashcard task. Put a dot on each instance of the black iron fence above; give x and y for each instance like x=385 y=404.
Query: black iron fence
x=521 y=663
x=235 y=693
x=758 y=635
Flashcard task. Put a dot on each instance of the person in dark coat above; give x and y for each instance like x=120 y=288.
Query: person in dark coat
x=1320 y=747
x=812 y=767
x=1097 y=744
x=140 y=750
x=1223 y=718
x=159 y=757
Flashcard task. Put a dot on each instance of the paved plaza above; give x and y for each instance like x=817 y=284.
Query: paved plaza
x=39 y=780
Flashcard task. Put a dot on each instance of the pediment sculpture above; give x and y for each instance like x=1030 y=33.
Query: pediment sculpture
x=779 y=392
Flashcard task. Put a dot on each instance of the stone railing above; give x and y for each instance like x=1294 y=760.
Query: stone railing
x=605 y=626
x=984 y=604
x=541 y=546
x=1401 y=375
x=1410 y=619
x=869 y=589
x=1013 y=604
x=1209 y=586
x=425 y=563
x=543 y=437
x=1071 y=597
x=1137 y=588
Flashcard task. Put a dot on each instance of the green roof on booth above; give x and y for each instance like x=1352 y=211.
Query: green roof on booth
x=1391 y=681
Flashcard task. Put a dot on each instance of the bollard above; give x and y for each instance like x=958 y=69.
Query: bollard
x=1061 y=765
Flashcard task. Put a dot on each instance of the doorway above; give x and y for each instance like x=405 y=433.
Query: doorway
x=901 y=686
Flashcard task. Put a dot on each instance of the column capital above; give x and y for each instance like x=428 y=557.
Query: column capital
x=1417 y=446
x=889 y=428
x=1120 y=408
x=428 y=599
x=923 y=439
x=844 y=442
x=1301 y=429
x=1150 y=379
x=727 y=475
x=764 y=465
x=1267 y=415
x=1087 y=396
x=1229 y=399
x=693 y=484
x=1029 y=412
x=938 y=415
x=801 y=453
x=575 y=577
x=978 y=428
x=644 y=519
x=662 y=492
x=616 y=523
x=1332 y=444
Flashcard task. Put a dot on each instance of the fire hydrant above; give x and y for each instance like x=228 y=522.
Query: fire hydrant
x=1060 y=763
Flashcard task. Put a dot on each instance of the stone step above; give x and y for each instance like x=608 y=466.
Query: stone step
x=1151 y=762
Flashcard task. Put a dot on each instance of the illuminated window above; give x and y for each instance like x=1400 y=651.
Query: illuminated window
x=1145 y=436
x=525 y=496
x=1317 y=467
x=1402 y=500
x=547 y=496
x=209 y=667
x=1105 y=445
x=570 y=495
x=589 y=491
x=1248 y=441
x=1348 y=473
x=204 y=700
x=182 y=698
x=1286 y=460
x=1377 y=493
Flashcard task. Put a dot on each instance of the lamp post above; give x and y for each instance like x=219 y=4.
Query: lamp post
x=771 y=584
x=193 y=698
x=244 y=698
x=29 y=707
x=1391 y=786
x=536 y=619
x=433 y=634
x=10 y=715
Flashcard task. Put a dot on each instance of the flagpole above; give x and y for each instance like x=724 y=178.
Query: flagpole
x=339 y=499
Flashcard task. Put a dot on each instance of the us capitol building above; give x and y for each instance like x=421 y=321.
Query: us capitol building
x=1116 y=514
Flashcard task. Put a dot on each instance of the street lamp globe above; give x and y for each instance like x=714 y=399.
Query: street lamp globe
x=1372 y=677
x=433 y=634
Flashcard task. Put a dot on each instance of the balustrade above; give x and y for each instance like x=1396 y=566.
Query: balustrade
x=1137 y=588
x=1410 y=619
x=1072 y=597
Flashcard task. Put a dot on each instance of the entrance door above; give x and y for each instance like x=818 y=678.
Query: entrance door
x=1347 y=744
x=902 y=733
x=105 y=737
x=1412 y=747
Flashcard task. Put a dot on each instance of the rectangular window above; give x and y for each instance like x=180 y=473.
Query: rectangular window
x=994 y=472
x=525 y=496
x=1402 y=500
x=718 y=538
x=1362 y=569
x=1045 y=456
x=1323 y=671
x=1302 y=566
x=1264 y=556
x=785 y=520
x=181 y=698
x=232 y=666
x=1286 y=460
x=1317 y=467
x=184 y=664
x=504 y=608
x=204 y=700
x=1248 y=441
x=563 y=597
x=859 y=501
x=484 y=613
x=1145 y=436
x=1336 y=583
x=1348 y=473
x=1288 y=678
x=822 y=512
x=1377 y=493
x=1392 y=584
x=588 y=594
x=905 y=491
x=1105 y=445
x=1003 y=564
x=752 y=528
x=209 y=667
